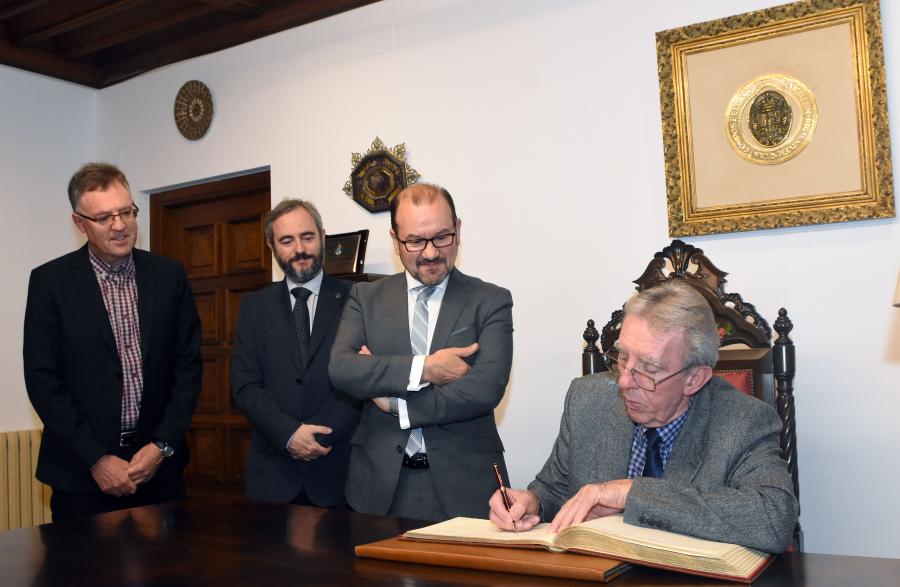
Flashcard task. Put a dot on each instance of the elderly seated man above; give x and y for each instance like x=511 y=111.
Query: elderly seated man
x=662 y=440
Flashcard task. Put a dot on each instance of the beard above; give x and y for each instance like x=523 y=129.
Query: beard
x=287 y=266
x=429 y=279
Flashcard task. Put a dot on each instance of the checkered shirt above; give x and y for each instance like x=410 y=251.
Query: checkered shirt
x=120 y=297
x=668 y=433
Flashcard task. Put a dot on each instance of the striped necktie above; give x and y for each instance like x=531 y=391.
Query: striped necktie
x=418 y=340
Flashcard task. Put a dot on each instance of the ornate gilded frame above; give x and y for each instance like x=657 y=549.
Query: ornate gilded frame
x=674 y=47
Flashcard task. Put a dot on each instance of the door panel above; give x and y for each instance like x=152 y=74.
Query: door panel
x=216 y=230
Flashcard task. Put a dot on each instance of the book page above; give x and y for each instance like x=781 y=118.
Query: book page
x=616 y=527
x=482 y=531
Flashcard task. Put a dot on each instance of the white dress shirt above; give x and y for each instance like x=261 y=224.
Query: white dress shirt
x=418 y=364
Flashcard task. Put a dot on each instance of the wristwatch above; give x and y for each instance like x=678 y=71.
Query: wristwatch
x=164 y=448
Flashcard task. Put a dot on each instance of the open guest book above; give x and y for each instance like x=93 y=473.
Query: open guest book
x=612 y=537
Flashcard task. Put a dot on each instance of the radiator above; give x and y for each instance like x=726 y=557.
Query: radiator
x=24 y=501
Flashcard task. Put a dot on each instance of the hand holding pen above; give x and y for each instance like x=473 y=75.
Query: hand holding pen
x=513 y=509
x=505 y=496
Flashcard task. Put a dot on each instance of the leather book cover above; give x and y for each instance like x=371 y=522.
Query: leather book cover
x=521 y=561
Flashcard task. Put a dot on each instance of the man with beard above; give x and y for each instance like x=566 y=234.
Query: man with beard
x=431 y=349
x=279 y=371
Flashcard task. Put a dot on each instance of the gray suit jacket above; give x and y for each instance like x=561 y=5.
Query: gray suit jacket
x=457 y=419
x=724 y=481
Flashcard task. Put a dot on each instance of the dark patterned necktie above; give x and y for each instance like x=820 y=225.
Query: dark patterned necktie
x=301 y=323
x=653 y=465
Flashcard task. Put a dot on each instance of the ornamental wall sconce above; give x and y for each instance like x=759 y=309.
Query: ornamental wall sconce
x=378 y=175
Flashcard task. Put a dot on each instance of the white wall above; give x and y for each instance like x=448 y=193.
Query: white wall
x=542 y=118
x=47 y=130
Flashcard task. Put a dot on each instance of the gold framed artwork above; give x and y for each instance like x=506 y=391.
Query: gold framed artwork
x=776 y=118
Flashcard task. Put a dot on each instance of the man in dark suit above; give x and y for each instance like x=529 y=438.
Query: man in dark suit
x=279 y=370
x=432 y=349
x=112 y=359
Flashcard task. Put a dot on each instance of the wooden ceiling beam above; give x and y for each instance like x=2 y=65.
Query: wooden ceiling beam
x=45 y=63
x=239 y=7
x=11 y=9
x=81 y=20
x=138 y=31
x=276 y=20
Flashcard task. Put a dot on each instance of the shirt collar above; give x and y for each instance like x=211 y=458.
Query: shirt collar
x=125 y=268
x=313 y=285
x=412 y=283
x=670 y=431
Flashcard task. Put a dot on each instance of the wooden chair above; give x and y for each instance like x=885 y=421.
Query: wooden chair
x=749 y=360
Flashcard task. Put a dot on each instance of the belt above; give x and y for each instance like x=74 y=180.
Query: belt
x=417 y=461
x=127 y=438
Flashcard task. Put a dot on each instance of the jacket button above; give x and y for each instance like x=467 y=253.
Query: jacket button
x=298 y=381
x=399 y=448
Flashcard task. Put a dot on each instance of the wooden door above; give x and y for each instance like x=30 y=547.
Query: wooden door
x=216 y=230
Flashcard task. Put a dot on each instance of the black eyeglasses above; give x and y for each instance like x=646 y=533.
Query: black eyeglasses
x=414 y=245
x=125 y=215
x=646 y=382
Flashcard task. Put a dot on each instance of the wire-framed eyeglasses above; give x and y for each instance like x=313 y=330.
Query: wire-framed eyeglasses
x=613 y=360
x=126 y=215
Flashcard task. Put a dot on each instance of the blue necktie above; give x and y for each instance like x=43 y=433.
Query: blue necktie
x=418 y=340
x=653 y=465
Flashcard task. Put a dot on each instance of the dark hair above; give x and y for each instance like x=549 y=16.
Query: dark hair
x=288 y=205
x=94 y=176
x=419 y=193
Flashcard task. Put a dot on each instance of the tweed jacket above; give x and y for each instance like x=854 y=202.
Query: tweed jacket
x=725 y=479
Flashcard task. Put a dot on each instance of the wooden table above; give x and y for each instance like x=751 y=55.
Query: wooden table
x=224 y=541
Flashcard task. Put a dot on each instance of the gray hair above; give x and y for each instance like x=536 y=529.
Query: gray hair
x=675 y=306
x=289 y=205
x=93 y=177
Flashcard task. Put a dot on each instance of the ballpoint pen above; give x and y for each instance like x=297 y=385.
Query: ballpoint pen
x=503 y=494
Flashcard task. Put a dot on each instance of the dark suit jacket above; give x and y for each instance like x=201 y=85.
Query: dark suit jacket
x=457 y=419
x=725 y=480
x=266 y=384
x=74 y=376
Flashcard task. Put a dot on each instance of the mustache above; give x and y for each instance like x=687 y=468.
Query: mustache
x=441 y=260
x=300 y=257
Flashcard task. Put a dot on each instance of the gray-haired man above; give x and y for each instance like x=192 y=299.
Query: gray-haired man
x=662 y=440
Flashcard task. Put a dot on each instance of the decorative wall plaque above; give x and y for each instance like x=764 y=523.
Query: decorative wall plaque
x=776 y=118
x=771 y=119
x=378 y=176
x=193 y=110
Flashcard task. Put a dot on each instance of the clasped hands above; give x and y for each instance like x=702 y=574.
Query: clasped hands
x=118 y=477
x=594 y=500
x=441 y=367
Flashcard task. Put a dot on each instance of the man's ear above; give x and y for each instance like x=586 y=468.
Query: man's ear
x=395 y=241
x=79 y=222
x=697 y=379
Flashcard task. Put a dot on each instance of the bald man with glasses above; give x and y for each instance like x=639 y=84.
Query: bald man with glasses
x=112 y=359
x=661 y=440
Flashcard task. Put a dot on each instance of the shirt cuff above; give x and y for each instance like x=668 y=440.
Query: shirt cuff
x=287 y=446
x=403 y=414
x=415 y=374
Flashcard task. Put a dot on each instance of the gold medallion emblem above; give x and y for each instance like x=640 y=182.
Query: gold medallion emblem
x=771 y=119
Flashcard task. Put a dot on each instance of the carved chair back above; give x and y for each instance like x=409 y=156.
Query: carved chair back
x=749 y=361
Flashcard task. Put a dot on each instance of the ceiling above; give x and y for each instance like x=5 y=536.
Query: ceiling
x=100 y=43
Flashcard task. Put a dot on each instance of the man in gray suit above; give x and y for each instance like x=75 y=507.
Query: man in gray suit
x=431 y=349
x=670 y=446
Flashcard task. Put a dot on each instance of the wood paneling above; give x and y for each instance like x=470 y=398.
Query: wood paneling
x=216 y=231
